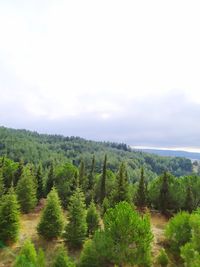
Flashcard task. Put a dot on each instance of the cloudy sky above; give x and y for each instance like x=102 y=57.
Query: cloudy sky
x=126 y=71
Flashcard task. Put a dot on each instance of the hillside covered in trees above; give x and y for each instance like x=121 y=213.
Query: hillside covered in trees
x=34 y=148
x=92 y=203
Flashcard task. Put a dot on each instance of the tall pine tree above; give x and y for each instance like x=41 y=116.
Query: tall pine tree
x=51 y=222
x=122 y=190
x=164 y=197
x=50 y=179
x=18 y=173
x=189 y=200
x=39 y=181
x=9 y=217
x=141 y=192
x=103 y=181
x=83 y=179
x=2 y=188
x=76 y=229
x=26 y=191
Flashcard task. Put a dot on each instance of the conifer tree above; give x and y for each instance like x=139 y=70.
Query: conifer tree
x=28 y=256
x=92 y=218
x=76 y=229
x=122 y=191
x=62 y=259
x=18 y=173
x=141 y=192
x=26 y=191
x=51 y=222
x=2 y=188
x=83 y=177
x=50 y=179
x=91 y=175
x=9 y=217
x=189 y=201
x=39 y=181
x=103 y=181
x=164 y=197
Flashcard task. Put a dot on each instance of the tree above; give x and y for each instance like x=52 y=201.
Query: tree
x=18 y=173
x=51 y=222
x=50 y=179
x=89 y=255
x=2 y=187
x=39 y=181
x=103 y=181
x=189 y=200
x=162 y=258
x=164 y=197
x=26 y=191
x=9 y=217
x=91 y=175
x=28 y=256
x=76 y=228
x=178 y=231
x=62 y=259
x=141 y=192
x=127 y=236
x=83 y=180
x=92 y=218
x=122 y=185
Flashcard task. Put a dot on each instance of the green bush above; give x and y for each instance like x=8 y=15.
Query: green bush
x=162 y=258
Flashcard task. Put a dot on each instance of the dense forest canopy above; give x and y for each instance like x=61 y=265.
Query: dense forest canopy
x=34 y=148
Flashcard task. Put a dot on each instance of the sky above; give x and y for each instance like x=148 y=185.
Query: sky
x=124 y=71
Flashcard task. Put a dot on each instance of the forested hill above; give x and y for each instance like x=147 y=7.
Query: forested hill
x=33 y=147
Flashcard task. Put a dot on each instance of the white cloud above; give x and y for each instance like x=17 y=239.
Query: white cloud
x=69 y=58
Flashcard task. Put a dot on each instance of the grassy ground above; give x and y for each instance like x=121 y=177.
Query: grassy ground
x=28 y=230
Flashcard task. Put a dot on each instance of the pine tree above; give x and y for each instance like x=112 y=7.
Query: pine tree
x=39 y=181
x=51 y=222
x=141 y=192
x=91 y=175
x=164 y=197
x=76 y=229
x=83 y=177
x=92 y=218
x=26 y=191
x=28 y=257
x=50 y=179
x=103 y=181
x=18 y=173
x=62 y=259
x=122 y=191
x=2 y=188
x=189 y=201
x=9 y=217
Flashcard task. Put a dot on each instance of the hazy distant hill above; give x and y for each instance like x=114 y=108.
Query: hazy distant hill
x=173 y=153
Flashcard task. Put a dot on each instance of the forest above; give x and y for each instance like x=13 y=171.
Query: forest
x=66 y=201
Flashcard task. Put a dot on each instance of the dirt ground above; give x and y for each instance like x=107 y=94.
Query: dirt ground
x=29 y=224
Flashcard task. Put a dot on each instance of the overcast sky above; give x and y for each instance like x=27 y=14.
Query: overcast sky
x=126 y=71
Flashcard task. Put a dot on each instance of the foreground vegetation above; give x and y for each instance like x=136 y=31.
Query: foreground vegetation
x=97 y=216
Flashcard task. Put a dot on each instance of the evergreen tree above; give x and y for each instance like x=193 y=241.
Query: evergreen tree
x=50 y=179
x=122 y=191
x=2 y=188
x=62 y=259
x=26 y=191
x=51 y=222
x=189 y=201
x=83 y=177
x=28 y=256
x=103 y=181
x=89 y=256
x=9 y=217
x=18 y=173
x=164 y=197
x=39 y=181
x=91 y=175
x=76 y=229
x=141 y=192
x=92 y=218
